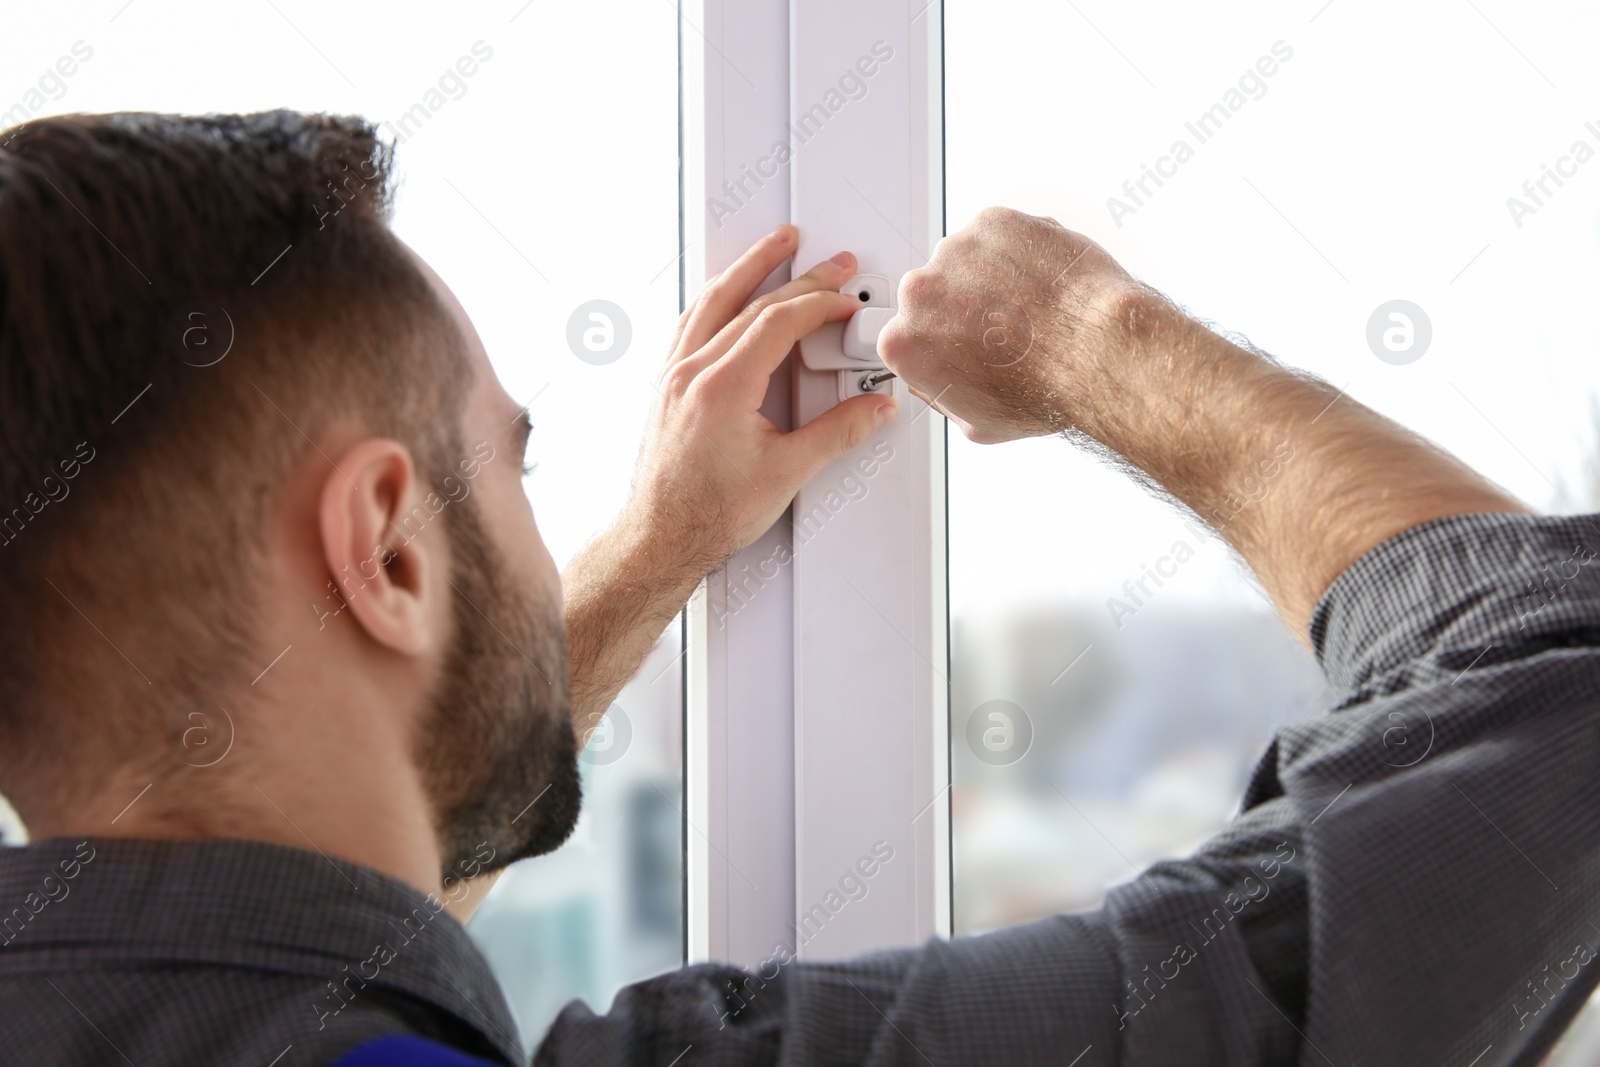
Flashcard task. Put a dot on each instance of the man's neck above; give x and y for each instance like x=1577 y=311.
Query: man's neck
x=302 y=795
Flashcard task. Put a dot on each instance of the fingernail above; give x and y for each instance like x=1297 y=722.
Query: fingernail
x=782 y=232
x=887 y=412
x=843 y=259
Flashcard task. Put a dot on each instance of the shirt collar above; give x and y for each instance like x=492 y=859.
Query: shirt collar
x=247 y=904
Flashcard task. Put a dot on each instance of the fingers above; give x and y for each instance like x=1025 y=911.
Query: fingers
x=904 y=349
x=931 y=401
x=677 y=334
x=825 y=276
x=838 y=430
x=895 y=346
x=773 y=332
x=729 y=291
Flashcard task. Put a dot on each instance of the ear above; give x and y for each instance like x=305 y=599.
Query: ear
x=371 y=513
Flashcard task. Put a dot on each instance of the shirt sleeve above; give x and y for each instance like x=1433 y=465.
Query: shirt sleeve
x=1411 y=877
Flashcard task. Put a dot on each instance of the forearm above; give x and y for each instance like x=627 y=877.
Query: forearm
x=1298 y=478
x=621 y=593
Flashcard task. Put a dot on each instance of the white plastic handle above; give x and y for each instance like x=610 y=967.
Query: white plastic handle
x=861 y=333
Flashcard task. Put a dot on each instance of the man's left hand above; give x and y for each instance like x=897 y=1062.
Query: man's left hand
x=714 y=473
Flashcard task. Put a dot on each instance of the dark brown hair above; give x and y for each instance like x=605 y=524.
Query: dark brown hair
x=185 y=303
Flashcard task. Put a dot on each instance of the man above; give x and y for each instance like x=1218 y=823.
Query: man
x=283 y=655
x=408 y=731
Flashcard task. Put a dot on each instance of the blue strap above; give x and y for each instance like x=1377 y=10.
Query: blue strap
x=406 y=1050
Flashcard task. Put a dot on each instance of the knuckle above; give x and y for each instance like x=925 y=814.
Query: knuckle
x=759 y=306
x=708 y=292
x=996 y=215
x=773 y=317
x=958 y=244
x=678 y=378
x=919 y=286
x=894 y=343
x=707 y=388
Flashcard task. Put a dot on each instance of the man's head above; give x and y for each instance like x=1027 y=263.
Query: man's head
x=259 y=490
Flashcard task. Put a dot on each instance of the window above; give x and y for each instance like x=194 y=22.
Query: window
x=1078 y=680
x=1398 y=202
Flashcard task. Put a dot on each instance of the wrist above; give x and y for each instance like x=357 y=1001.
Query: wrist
x=1196 y=412
x=1143 y=369
x=663 y=548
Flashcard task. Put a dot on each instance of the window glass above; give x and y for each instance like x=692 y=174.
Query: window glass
x=537 y=148
x=1300 y=174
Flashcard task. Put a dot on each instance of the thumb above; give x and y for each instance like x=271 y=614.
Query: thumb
x=839 y=429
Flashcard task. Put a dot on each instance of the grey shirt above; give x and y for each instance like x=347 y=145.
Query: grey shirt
x=1413 y=878
x=227 y=952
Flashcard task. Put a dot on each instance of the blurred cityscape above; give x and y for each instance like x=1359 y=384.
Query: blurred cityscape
x=1138 y=751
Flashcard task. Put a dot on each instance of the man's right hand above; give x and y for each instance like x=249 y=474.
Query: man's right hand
x=1018 y=327
x=1006 y=325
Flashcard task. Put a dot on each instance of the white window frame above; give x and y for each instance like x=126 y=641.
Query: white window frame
x=817 y=703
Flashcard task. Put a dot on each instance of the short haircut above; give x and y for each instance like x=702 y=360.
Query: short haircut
x=185 y=303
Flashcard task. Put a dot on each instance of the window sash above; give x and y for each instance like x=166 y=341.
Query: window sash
x=817 y=711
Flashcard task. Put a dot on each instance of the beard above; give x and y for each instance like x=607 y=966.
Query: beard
x=497 y=750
